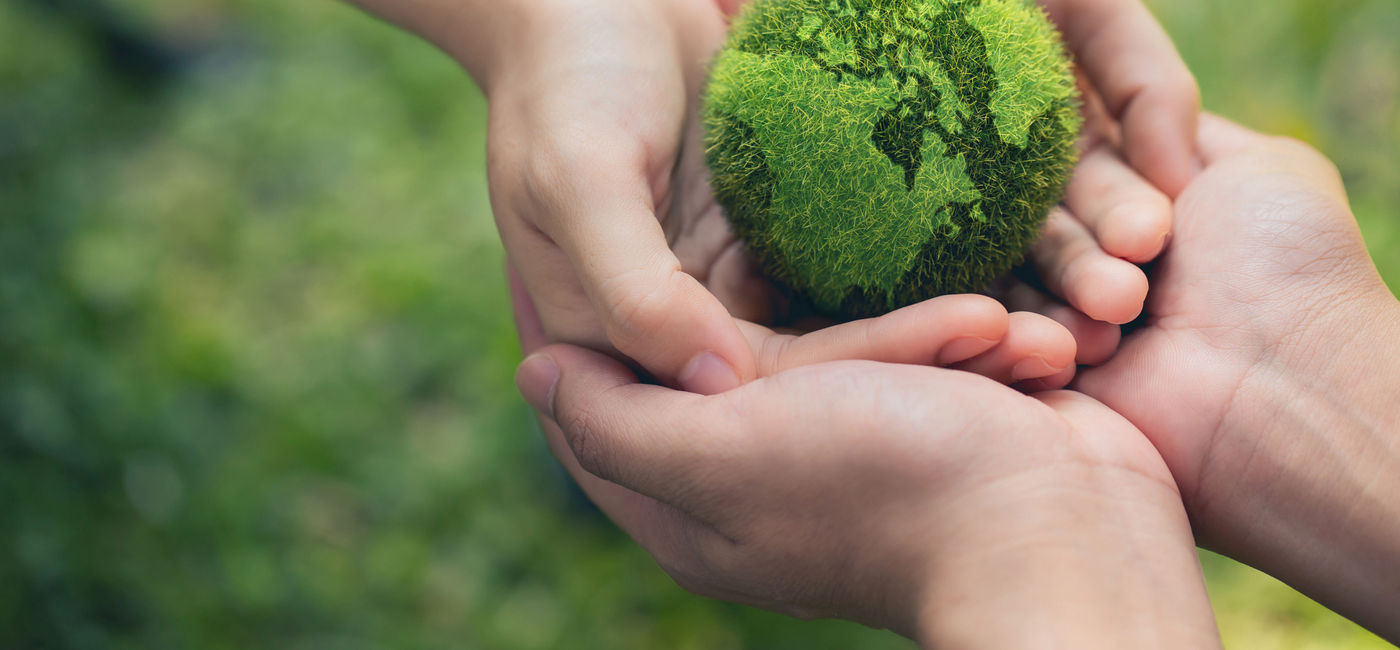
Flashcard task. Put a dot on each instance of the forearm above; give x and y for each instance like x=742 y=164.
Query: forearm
x=1113 y=570
x=1318 y=503
x=474 y=32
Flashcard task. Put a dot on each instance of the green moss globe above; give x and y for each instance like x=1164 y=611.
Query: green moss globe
x=875 y=153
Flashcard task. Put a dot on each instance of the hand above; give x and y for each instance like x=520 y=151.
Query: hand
x=966 y=332
x=1268 y=378
x=1135 y=72
x=934 y=502
x=1141 y=108
x=1134 y=69
x=601 y=194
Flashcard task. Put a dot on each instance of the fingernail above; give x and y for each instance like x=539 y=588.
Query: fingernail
x=1033 y=368
x=964 y=349
x=707 y=374
x=537 y=378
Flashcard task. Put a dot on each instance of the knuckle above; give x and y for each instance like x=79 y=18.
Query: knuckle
x=774 y=354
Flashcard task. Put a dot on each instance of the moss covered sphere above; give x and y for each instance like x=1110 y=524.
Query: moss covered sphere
x=875 y=153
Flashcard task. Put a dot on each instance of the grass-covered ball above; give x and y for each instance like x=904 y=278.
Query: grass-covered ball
x=875 y=153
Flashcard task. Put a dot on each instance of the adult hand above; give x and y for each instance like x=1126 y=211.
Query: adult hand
x=934 y=502
x=1268 y=375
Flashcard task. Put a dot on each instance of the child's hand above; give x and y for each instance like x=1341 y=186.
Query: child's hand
x=599 y=187
x=1139 y=152
x=967 y=332
x=1134 y=69
x=1141 y=106
x=1087 y=257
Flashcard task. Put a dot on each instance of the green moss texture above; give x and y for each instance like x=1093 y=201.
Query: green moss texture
x=875 y=153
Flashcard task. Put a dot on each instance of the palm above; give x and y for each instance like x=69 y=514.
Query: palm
x=1229 y=295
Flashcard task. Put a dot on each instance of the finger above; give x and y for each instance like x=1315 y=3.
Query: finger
x=648 y=439
x=941 y=331
x=1056 y=381
x=1095 y=421
x=1035 y=347
x=596 y=206
x=1096 y=341
x=1089 y=415
x=662 y=529
x=1142 y=80
x=527 y=319
x=1100 y=127
x=1127 y=215
x=670 y=535
x=1073 y=267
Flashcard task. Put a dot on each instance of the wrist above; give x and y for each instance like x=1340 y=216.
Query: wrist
x=1303 y=473
x=1101 y=559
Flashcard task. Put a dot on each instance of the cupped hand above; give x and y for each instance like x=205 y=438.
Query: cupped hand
x=971 y=333
x=591 y=191
x=1136 y=74
x=1266 y=374
x=601 y=194
x=1141 y=107
x=1265 y=256
x=934 y=502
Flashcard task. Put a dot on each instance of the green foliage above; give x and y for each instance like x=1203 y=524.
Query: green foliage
x=875 y=153
x=256 y=357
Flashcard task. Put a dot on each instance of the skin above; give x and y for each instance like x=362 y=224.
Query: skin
x=869 y=491
x=1264 y=385
x=1268 y=378
x=600 y=192
x=1261 y=355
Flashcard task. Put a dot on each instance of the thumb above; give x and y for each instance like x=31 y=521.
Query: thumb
x=652 y=311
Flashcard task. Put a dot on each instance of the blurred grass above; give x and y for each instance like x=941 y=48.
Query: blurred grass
x=255 y=354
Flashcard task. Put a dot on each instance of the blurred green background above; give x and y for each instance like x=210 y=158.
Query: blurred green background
x=255 y=354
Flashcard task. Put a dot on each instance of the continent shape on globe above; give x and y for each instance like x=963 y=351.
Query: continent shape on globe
x=874 y=153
